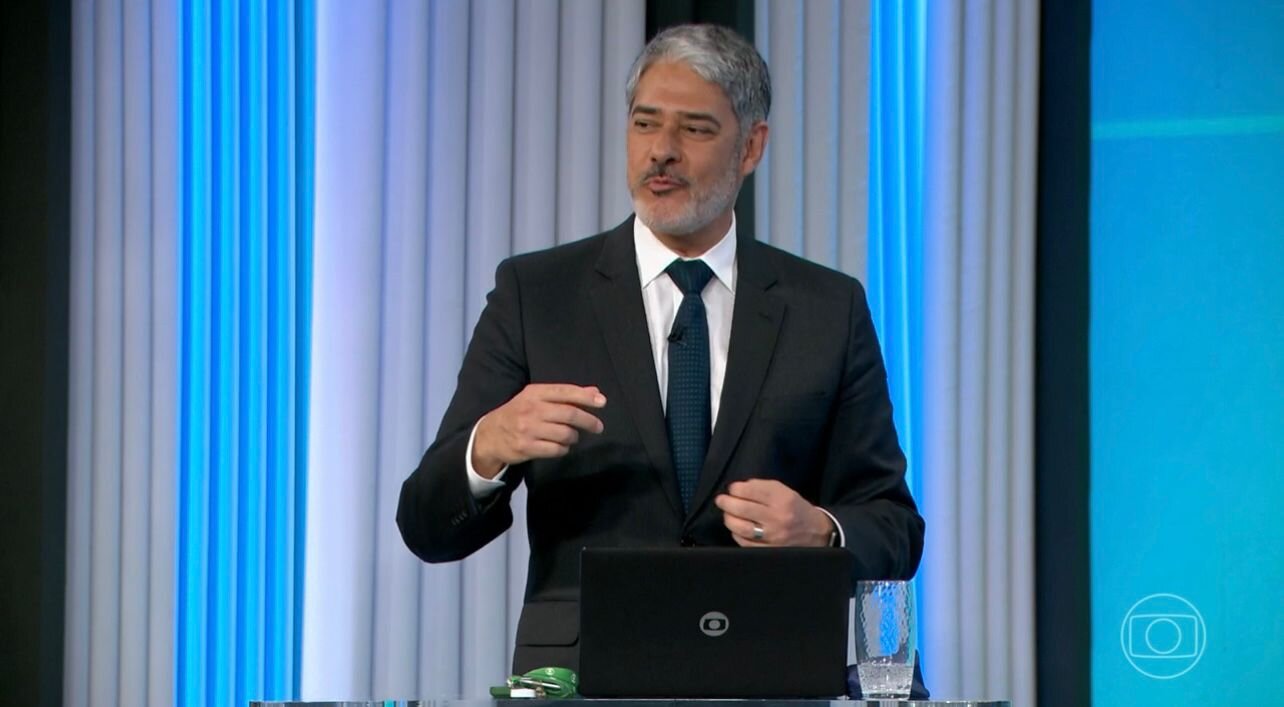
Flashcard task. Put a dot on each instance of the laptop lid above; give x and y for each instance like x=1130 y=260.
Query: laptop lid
x=714 y=622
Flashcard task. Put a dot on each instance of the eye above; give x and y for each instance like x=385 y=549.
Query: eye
x=698 y=130
x=643 y=123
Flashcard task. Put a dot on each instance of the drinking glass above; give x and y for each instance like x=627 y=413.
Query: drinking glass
x=885 y=639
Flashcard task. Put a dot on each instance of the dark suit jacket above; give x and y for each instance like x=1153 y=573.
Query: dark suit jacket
x=804 y=401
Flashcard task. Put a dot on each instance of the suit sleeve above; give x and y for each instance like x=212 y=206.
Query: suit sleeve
x=863 y=481
x=438 y=517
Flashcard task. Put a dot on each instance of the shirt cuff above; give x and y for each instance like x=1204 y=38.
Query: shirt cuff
x=840 y=540
x=482 y=487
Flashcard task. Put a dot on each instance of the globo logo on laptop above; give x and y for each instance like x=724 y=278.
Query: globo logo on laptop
x=714 y=624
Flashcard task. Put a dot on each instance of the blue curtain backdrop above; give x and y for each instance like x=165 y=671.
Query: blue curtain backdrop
x=894 y=281
x=895 y=270
x=895 y=266
x=245 y=258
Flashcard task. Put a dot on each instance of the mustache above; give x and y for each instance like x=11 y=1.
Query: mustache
x=663 y=171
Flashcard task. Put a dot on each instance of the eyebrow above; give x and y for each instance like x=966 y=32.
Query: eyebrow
x=688 y=115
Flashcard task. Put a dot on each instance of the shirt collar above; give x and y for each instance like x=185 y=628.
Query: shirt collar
x=654 y=256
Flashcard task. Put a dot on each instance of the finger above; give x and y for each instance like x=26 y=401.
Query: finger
x=761 y=490
x=742 y=508
x=556 y=432
x=543 y=449
x=583 y=396
x=575 y=417
x=741 y=527
x=748 y=542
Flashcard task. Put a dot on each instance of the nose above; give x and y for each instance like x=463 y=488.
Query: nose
x=664 y=147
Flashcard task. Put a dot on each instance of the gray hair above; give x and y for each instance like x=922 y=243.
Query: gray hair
x=717 y=55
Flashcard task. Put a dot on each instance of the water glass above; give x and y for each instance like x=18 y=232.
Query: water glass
x=885 y=638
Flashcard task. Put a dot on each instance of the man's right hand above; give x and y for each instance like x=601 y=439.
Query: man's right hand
x=541 y=422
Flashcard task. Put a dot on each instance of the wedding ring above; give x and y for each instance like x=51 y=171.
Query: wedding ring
x=758 y=532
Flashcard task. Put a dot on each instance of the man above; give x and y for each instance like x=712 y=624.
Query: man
x=671 y=381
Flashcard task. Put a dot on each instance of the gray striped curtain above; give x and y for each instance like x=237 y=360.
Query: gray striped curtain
x=978 y=364
x=122 y=421
x=811 y=188
x=449 y=136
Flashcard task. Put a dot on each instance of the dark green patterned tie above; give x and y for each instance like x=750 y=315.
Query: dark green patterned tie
x=687 y=411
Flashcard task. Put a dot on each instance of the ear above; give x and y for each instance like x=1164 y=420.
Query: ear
x=754 y=148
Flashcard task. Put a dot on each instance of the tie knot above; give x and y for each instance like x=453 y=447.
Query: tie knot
x=689 y=275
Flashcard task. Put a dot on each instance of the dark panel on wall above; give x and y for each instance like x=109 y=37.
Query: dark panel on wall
x=736 y=14
x=1063 y=612
x=34 y=151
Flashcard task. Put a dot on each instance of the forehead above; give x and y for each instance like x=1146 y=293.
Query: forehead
x=675 y=86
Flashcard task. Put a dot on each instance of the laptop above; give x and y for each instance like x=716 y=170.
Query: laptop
x=714 y=622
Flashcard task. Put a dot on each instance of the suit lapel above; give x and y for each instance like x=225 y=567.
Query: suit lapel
x=755 y=323
x=617 y=303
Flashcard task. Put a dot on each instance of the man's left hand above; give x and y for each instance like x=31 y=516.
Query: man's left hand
x=773 y=512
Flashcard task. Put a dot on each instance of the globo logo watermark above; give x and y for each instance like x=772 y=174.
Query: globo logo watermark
x=1163 y=636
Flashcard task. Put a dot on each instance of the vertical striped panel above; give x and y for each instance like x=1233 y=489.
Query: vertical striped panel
x=165 y=192
x=941 y=332
x=136 y=417
x=122 y=435
x=396 y=640
x=169 y=551
x=477 y=110
x=535 y=133
x=535 y=150
x=281 y=379
x=579 y=109
x=780 y=182
x=895 y=252
x=347 y=290
x=239 y=389
x=621 y=43
x=970 y=407
x=488 y=205
x=225 y=366
x=762 y=208
x=252 y=240
x=964 y=302
x=854 y=141
x=1021 y=500
x=441 y=594
x=998 y=354
x=194 y=450
x=120 y=503
x=80 y=361
x=811 y=183
x=822 y=92
x=895 y=205
x=295 y=496
x=108 y=357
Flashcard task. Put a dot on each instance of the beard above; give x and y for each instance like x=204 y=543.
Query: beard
x=705 y=203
